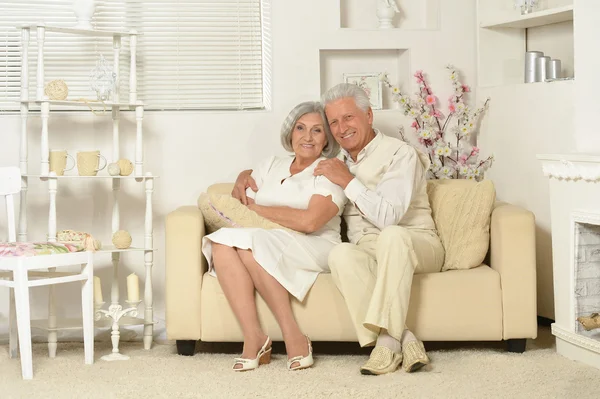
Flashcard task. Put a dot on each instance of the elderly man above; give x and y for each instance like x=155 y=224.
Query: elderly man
x=390 y=227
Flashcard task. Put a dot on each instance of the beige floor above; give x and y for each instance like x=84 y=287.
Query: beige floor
x=457 y=371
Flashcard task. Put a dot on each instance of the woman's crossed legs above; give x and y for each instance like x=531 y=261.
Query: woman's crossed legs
x=239 y=275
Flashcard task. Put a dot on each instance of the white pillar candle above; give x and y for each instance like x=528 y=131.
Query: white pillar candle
x=97 y=290
x=133 y=288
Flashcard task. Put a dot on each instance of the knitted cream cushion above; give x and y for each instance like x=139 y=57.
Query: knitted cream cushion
x=220 y=209
x=462 y=211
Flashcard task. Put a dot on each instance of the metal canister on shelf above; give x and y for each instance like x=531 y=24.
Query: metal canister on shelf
x=541 y=68
x=554 y=69
x=530 y=58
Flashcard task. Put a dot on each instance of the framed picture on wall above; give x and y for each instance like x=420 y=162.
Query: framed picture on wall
x=370 y=83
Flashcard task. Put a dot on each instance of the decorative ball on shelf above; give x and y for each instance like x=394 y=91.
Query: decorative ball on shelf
x=125 y=166
x=114 y=169
x=121 y=239
x=56 y=90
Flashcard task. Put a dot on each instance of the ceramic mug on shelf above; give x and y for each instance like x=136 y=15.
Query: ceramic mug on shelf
x=88 y=163
x=58 y=162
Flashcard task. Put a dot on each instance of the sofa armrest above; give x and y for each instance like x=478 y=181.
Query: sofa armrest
x=185 y=265
x=513 y=256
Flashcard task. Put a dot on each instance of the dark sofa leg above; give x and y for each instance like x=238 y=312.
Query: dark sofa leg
x=186 y=347
x=516 y=345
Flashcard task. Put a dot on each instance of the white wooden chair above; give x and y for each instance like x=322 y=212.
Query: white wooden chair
x=23 y=278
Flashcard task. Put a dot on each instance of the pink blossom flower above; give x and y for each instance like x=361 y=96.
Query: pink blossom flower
x=419 y=76
x=425 y=105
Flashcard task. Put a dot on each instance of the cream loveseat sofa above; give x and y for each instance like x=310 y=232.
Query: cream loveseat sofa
x=484 y=303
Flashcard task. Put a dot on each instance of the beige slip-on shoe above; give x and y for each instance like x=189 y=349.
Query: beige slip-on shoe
x=414 y=355
x=382 y=360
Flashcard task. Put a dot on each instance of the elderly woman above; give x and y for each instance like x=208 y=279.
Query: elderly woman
x=277 y=262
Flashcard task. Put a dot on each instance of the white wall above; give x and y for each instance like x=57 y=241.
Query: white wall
x=525 y=120
x=586 y=15
x=530 y=119
x=191 y=150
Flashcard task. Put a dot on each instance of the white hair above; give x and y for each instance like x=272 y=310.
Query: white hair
x=345 y=90
x=287 y=128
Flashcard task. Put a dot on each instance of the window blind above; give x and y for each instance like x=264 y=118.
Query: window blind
x=191 y=54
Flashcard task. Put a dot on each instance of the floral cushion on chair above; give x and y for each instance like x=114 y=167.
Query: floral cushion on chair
x=36 y=248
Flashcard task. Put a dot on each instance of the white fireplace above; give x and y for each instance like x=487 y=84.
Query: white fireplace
x=574 y=183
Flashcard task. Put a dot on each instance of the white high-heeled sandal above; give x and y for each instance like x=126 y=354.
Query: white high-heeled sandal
x=303 y=361
x=263 y=357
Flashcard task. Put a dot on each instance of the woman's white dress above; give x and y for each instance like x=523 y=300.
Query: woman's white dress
x=294 y=259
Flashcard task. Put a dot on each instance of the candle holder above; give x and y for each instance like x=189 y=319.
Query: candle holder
x=97 y=307
x=116 y=312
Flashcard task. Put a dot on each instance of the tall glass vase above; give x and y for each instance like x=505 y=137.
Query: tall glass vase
x=526 y=6
x=103 y=79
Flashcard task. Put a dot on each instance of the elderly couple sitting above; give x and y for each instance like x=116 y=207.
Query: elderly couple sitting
x=378 y=185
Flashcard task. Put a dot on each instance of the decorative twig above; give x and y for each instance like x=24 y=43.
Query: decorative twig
x=430 y=128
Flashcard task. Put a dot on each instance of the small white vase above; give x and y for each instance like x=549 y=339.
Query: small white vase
x=385 y=14
x=84 y=11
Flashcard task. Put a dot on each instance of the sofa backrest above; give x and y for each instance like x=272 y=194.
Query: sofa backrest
x=461 y=210
x=432 y=185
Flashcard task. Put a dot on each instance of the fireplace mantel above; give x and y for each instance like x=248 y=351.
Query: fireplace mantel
x=571 y=166
x=574 y=188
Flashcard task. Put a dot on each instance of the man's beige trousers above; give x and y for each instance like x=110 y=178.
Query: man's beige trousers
x=375 y=277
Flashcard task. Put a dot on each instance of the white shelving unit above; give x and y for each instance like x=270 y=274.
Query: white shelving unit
x=349 y=50
x=83 y=104
x=535 y=19
x=335 y=62
x=82 y=32
x=504 y=36
x=360 y=15
x=115 y=311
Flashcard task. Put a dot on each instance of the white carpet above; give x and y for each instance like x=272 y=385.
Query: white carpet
x=458 y=370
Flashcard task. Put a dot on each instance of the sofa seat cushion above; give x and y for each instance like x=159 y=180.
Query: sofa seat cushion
x=457 y=305
x=454 y=305
x=322 y=316
x=461 y=210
